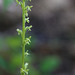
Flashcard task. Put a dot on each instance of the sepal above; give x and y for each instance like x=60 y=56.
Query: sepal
x=28 y=8
x=28 y=28
x=19 y=2
x=19 y=31
x=25 y=70
x=26 y=66
x=27 y=20
x=27 y=41
x=26 y=53
x=26 y=14
x=21 y=70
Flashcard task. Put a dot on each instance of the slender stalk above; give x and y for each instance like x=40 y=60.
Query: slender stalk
x=23 y=35
x=24 y=70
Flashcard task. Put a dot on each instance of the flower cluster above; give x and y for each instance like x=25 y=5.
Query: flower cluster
x=24 y=70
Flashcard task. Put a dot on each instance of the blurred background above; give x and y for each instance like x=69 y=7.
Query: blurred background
x=52 y=50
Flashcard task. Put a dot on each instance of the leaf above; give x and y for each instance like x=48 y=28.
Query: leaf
x=16 y=60
x=13 y=42
x=50 y=63
x=3 y=63
x=6 y=3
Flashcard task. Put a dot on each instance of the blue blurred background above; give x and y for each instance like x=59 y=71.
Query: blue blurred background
x=52 y=50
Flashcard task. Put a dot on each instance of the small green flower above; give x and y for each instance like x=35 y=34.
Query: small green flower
x=19 y=31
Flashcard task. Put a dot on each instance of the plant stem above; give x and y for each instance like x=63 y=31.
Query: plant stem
x=24 y=70
x=23 y=35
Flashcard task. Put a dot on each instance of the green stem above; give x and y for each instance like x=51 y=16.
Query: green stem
x=24 y=70
x=23 y=35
